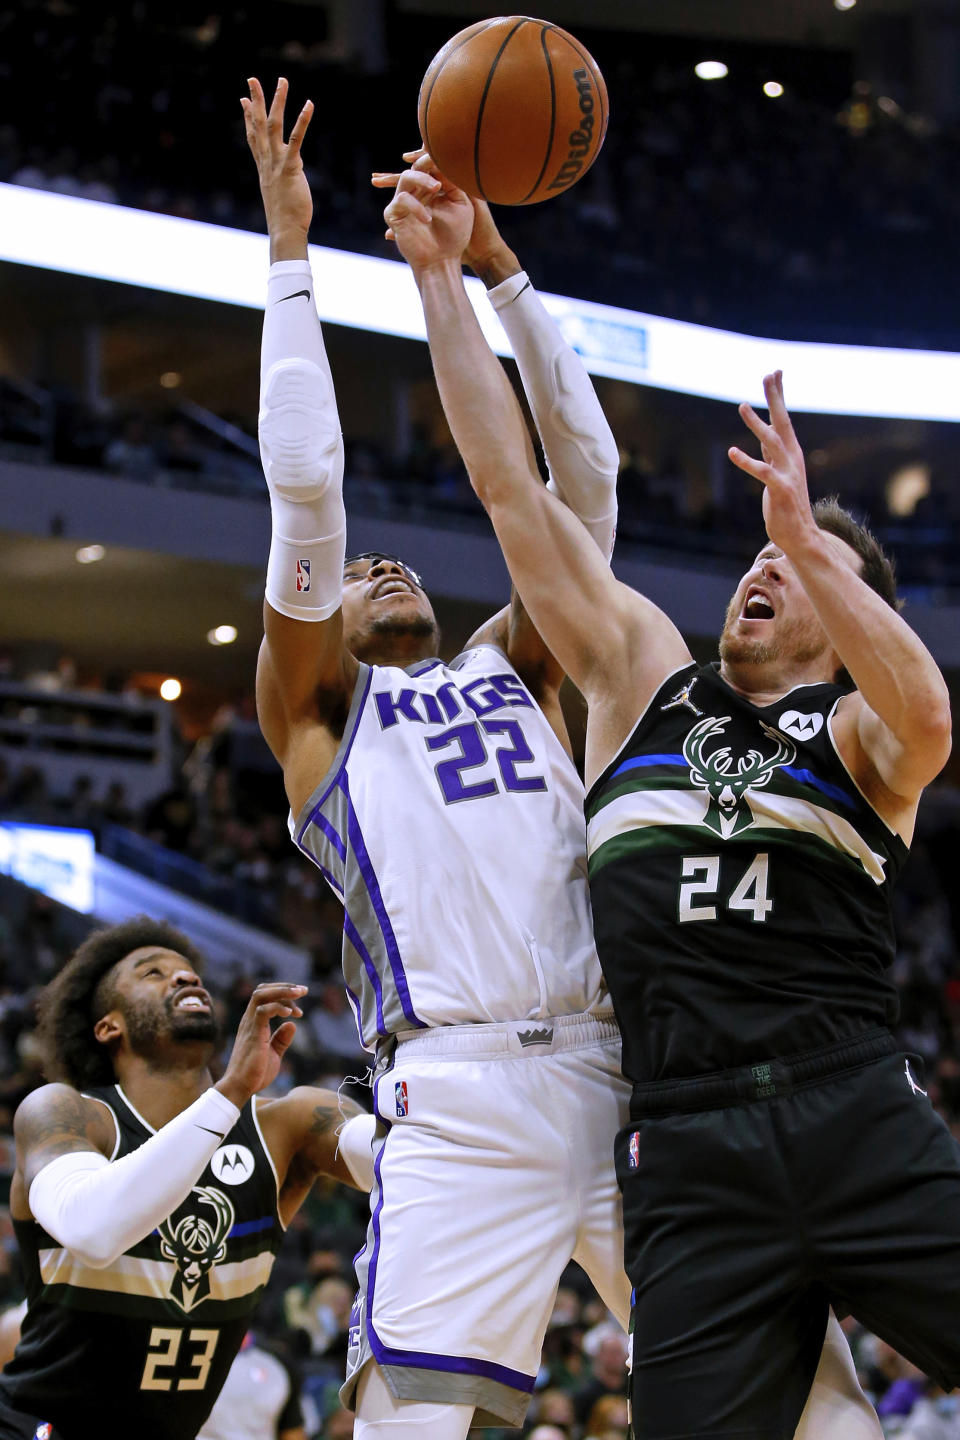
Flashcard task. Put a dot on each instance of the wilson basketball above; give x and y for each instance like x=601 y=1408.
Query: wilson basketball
x=513 y=110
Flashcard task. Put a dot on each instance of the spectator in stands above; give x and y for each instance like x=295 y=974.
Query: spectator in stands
x=607 y=1419
x=130 y=453
x=606 y=1346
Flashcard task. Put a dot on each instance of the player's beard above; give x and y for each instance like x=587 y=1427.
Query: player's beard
x=150 y=1026
x=799 y=640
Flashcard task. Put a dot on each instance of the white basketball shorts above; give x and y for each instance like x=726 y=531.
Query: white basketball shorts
x=493 y=1170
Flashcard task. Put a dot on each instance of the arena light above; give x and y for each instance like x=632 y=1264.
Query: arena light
x=844 y=4
x=185 y=257
x=773 y=89
x=222 y=635
x=58 y=862
x=90 y=554
x=171 y=689
x=711 y=70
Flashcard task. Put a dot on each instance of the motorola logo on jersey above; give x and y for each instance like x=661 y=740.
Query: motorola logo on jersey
x=196 y=1242
x=799 y=725
x=232 y=1164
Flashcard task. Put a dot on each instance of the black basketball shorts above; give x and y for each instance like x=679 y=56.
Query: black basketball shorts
x=753 y=1201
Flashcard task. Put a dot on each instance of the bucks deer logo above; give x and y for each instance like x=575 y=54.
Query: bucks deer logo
x=195 y=1243
x=725 y=777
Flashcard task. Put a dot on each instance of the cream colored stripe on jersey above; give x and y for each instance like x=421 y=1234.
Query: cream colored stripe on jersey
x=642 y=808
x=130 y=1275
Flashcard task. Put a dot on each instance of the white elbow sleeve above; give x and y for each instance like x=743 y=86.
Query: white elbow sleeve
x=302 y=451
x=581 y=452
x=97 y=1208
x=355 y=1148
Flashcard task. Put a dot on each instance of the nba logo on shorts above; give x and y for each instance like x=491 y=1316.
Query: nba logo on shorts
x=43 y=1432
x=634 y=1159
x=303 y=575
x=400 y=1090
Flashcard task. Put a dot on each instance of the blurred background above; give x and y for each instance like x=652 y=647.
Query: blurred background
x=807 y=192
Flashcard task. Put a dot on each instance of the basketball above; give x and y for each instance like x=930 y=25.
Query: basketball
x=513 y=110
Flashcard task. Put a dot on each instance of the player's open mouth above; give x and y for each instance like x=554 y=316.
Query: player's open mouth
x=192 y=1000
x=391 y=587
x=756 y=606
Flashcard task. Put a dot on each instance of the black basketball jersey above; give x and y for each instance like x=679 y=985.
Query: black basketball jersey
x=740 y=882
x=142 y=1347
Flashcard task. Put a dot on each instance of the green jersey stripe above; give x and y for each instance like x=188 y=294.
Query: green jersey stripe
x=675 y=839
x=768 y=812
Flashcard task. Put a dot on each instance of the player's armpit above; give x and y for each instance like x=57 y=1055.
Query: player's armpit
x=305 y=681
x=57 y=1120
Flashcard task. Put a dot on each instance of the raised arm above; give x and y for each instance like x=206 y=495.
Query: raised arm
x=611 y=641
x=578 y=445
x=305 y=672
x=579 y=448
x=897 y=723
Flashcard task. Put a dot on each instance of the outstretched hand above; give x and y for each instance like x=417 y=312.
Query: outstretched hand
x=430 y=219
x=782 y=472
x=286 y=192
x=485 y=244
x=258 y=1051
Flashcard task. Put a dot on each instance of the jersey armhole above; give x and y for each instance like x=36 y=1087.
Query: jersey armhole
x=266 y=1150
x=847 y=771
x=607 y=769
x=116 y=1123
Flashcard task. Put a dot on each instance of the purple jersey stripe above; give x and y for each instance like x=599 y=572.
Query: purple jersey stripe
x=323 y=824
x=358 y=846
x=353 y=935
x=425 y=1360
x=355 y=1002
x=334 y=779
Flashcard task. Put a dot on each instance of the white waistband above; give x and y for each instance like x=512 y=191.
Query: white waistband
x=512 y=1037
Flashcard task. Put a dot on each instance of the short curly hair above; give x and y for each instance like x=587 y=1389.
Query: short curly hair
x=76 y=998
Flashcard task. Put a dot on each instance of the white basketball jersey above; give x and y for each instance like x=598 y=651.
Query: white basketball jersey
x=451 y=826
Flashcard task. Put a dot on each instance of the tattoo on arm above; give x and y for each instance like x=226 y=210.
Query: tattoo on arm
x=54 y=1121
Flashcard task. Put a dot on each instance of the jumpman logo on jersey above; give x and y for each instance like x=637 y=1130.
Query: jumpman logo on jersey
x=910 y=1080
x=682 y=697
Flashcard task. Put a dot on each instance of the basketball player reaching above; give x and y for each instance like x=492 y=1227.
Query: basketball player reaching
x=441 y=804
x=746 y=823
x=148 y=1202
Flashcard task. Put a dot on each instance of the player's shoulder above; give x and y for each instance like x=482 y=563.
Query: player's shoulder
x=59 y=1109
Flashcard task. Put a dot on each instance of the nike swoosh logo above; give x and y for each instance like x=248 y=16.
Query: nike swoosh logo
x=294 y=296
x=212 y=1132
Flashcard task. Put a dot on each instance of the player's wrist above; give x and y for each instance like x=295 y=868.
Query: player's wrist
x=494 y=266
x=234 y=1090
x=288 y=242
x=447 y=269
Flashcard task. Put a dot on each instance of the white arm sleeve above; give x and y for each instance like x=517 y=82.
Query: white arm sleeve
x=580 y=450
x=301 y=449
x=97 y=1208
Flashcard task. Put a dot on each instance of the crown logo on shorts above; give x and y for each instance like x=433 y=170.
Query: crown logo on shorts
x=535 y=1037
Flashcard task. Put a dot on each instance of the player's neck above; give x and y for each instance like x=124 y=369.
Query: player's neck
x=158 y=1091
x=765 y=683
x=399 y=650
